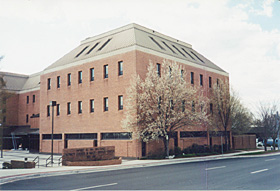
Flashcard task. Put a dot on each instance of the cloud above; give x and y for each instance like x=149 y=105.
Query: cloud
x=265 y=10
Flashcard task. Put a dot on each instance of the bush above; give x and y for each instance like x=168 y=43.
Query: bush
x=6 y=165
x=177 y=151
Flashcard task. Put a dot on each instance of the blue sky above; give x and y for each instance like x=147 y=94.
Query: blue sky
x=241 y=36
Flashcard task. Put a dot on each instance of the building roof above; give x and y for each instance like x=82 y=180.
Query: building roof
x=131 y=35
x=21 y=82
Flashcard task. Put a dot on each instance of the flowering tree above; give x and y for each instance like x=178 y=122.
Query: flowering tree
x=162 y=103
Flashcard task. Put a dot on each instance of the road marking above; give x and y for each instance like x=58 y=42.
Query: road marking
x=270 y=159
x=259 y=171
x=98 y=186
x=213 y=168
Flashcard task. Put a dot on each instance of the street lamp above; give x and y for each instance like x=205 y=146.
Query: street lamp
x=2 y=134
x=277 y=126
x=52 y=104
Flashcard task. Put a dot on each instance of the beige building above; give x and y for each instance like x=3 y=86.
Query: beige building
x=89 y=86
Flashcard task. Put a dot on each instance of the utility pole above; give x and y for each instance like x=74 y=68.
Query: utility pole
x=277 y=126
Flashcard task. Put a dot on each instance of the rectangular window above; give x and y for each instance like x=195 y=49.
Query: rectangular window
x=48 y=111
x=92 y=74
x=69 y=79
x=93 y=48
x=105 y=43
x=80 y=109
x=105 y=71
x=182 y=73
x=58 y=81
x=211 y=108
x=185 y=134
x=121 y=102
x=68 y=108
x=49 y=83
x=158 y=69
x=110 y=136
x=210 y=82
x=193 y=106
x=33 y=98
x=58 y=109
x=201 y=79
x=92 y=105
x=157 y=43
x=80 y=77
x=49 y=136
x=81 y=51
x=192 y=78
x=106 y=105
x=27 y=99
x=27 y=118
x=89 y=136
x=120 y=68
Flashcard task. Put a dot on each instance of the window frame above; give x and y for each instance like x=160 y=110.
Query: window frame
x=91 y=105
x=106 y=71
x=80 y=77
x=120 y=102
x=120 y=68
x=91 y=74
x=106 y=104
x=80 y=107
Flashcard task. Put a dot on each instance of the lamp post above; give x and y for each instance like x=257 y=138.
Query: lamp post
x=52 y=104
x=2 y=134
x=277 y=126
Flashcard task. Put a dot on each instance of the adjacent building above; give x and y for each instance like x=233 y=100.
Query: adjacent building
x=89 y=87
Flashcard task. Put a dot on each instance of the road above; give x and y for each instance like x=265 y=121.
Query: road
x=252 y=173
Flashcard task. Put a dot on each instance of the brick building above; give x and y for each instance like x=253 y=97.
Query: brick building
x=89 y=86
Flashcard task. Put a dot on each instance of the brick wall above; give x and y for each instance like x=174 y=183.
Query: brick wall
x=244 y=141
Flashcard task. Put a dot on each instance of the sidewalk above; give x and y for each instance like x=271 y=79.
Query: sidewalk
x=10 y=175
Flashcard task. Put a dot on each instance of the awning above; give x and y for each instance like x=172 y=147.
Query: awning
x=25 y=131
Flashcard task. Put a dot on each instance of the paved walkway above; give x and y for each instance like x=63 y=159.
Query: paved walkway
x=9 y=175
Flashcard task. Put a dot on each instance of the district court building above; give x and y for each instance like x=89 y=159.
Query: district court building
x=89 y=86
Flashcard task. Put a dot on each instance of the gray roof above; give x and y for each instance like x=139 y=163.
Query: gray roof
x=128 y=36
x=21 y=82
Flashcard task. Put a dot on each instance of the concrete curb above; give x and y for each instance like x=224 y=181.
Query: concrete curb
x=13 y=178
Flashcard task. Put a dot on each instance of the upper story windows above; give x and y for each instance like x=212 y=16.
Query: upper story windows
x=121 y=102
x=58 y=109
x=49 y=83
x=201 y=79
x=69 y=79
x=210 y=82
x=106 y=71
x=27 y=99
x=106 y=104
x=80 y=106
x=91 y=74
x=68 y=108
x=120 y=68
x=91 y=105
x=192 y=78
x=158 y=69
x=34 y=98
x=80 y=77
x=58 y=81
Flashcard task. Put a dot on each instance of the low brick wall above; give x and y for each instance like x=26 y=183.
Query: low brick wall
x=22 y=164
x=94 y=156
x=244 y=141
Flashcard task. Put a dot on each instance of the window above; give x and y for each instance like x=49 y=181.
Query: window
x=157 y=43
x=197 y=57
x=217 y=82
x=105 y=71
x=48 y=111
x=158 y=70
x=192 y=78
x=193 y=106
x=80 y=107
x=179 y=50
x=80 y=77
x=201 y=79
x=58 y=81
x=49 y=136
x=81 y=52
x=89 y=136
x=184 y=134
x=182 y=73
x=169 y=47
x=69 y=79
x=49 y=83
x=33 y=98
x=188 y=53
x=27 y=118
x=104 y=44
x=92 y=74
x=58 y=109
x=27 y=99
x=120 y=68
x=93 y=48
x=92 y=105
x=121 y=102
x=210 y=82
x=211 y=108
x=106 y=108
x=68 y=108
x=110 y=136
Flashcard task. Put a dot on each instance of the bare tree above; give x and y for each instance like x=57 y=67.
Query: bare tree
x=267 y=121
x=241 y=119
x=224 y=103
x=161 y=104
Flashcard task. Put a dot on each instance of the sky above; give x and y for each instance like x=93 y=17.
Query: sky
x=240 y=36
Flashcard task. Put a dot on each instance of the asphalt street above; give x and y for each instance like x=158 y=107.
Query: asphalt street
x=252 y=173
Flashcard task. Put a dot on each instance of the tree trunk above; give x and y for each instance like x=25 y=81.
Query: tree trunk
x=265 y=141
x=166 y=146
x=226 y=140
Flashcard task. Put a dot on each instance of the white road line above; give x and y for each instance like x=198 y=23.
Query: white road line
x=98 y=186
x=213 y=168
x=270 y=159
x=259 y=171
